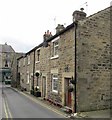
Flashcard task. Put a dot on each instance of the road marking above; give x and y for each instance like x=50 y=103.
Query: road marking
x=6 y=114
x=43 y=104
x=6 y=109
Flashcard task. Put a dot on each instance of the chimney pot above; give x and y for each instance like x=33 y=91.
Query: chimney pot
x=78 y=15
x=47 y=35
x=59 y=28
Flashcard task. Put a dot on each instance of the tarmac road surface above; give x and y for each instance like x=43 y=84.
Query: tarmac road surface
x=16 y=105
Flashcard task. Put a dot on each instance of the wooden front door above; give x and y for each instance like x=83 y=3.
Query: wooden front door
x=43 y=86
x=68 y=96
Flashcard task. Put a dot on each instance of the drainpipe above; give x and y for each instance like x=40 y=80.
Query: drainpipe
x=75 y=68
x=17 y=79
x=33 y=69
x=77 y=15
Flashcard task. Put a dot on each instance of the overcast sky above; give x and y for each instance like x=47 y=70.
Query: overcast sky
x=23 y=22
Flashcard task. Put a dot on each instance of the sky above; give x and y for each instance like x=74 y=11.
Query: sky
x=23 y=22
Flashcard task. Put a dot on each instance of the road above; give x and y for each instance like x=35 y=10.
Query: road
x=17 y=105
x=0 y=100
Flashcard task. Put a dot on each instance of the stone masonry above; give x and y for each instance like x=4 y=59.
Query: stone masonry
x=93 y=59
x=93 y=64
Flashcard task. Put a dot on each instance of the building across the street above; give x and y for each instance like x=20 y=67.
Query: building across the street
x=8 y=63
x=6 y=59
x=72 y=67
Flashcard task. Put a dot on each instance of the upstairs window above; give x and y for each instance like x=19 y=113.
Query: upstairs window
x=55 y=48
x=38 y=55
x=28 y=59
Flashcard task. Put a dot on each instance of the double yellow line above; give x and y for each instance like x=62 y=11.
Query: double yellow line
x=7 y=110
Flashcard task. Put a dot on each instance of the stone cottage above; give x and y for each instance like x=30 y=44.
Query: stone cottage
x=80 y=53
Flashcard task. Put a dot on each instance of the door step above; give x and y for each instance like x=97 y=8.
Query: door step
x=67 y=109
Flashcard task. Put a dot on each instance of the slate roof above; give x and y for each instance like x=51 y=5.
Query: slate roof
x=4 y=48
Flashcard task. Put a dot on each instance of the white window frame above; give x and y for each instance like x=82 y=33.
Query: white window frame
x=54 y=79
x=54 y=54
x=28 y=59
x=55 y=46
x=37 y=56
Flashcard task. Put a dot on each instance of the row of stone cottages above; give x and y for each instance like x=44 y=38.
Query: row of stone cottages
x=82 y=49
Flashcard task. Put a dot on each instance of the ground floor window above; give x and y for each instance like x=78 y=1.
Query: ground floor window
x=55 y=83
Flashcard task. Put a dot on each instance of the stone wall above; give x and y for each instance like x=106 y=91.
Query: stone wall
x=93 y=62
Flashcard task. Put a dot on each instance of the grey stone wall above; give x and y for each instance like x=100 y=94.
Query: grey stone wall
x=93 y=62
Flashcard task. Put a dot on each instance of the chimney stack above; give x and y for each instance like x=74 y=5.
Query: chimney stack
x=78 y=15
x=47 y=35
x=59 y=28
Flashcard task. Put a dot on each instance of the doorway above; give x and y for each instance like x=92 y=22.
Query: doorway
x=68 y=95
x=43 y=86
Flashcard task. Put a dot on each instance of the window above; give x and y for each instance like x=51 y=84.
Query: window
x=28 y=78
x=55 y=48
x=24 y=61
x=55 y=83
x=28 y=59
x=55 y=45
x=38 y=55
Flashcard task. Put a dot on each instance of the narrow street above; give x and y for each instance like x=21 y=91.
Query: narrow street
x=16 y=105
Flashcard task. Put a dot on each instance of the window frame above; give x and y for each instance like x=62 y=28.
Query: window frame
x=54 y=53
x=38 y=55
x=28 y=59
x=55 y=48
x=54 y=83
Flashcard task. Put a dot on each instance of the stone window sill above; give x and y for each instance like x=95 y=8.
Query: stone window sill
x=37 y=62
x=54 y=91
x=54 y=57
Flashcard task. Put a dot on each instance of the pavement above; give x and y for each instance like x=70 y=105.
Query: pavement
x=0 y=100
x=91 y=114
x=95 y=114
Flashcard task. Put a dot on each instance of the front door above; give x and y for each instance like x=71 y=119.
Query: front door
x=43 y=86
x=68 y=95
